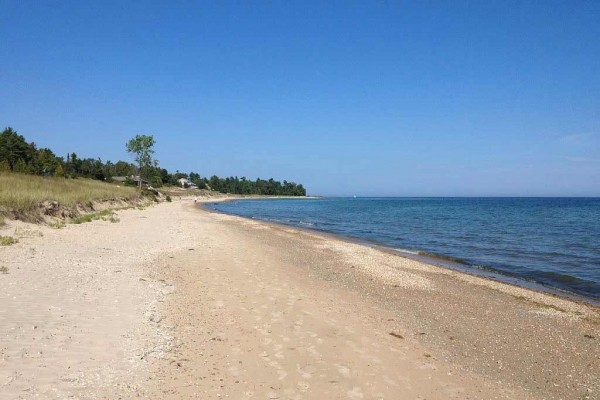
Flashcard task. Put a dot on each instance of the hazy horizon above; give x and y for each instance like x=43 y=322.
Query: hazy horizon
x=347 y=98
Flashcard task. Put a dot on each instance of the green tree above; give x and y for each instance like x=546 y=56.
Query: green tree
x=73 y=166
x=107 y=170
x=21 y=167
x=123 y=168
x=4 y=166
x=215 y=183
x=13 y=148
x=59 y=171
x=165 y=176
x=43 y=162
x=141 y=147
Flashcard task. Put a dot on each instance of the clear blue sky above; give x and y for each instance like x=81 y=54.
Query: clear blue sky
x=367 y=97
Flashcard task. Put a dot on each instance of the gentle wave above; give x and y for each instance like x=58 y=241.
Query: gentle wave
x=416 y=253
x=302 y=223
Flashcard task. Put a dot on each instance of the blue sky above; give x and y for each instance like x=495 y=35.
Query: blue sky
x=369 y=97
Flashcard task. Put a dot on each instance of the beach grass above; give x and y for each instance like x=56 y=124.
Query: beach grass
x=105 y=215
x=21 y=194
x=57 y=225
x=7 y=240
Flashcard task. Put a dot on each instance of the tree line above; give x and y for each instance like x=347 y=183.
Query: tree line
x=17 y=155
x=259 y=186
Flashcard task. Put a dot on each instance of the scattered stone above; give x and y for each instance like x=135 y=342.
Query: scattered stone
x=588 y=336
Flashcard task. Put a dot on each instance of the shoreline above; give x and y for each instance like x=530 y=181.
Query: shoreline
x=212 y=306
x=430 y=259
x=450 y=312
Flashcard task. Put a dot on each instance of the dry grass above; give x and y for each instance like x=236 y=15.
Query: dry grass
x=20 y=194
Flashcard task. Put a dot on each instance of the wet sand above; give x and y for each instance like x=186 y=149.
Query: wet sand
x=205 y=305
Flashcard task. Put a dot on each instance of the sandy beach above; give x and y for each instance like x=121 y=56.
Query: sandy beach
x=175 y=302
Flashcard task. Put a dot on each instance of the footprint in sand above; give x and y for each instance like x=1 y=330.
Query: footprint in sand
x=343 y=371
x=219 y=304
x=281 y=374
x=313 y=352
x=306 y=371
x=277 y=350
x=355 y=393
x=303 y=386
x=276 y=315
x=389 y=381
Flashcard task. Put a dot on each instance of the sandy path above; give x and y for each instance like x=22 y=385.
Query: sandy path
x=203 y=305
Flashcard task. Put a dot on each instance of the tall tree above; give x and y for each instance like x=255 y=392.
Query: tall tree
x=13 y=148
x=141 y=147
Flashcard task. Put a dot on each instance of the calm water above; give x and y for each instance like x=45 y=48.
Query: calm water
x=552 y=241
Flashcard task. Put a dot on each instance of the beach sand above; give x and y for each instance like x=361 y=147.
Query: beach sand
x=174 y=302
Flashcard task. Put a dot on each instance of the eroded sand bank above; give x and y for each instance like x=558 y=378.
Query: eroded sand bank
x=174 y=302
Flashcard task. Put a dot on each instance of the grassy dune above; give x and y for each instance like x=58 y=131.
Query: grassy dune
x=20 y=193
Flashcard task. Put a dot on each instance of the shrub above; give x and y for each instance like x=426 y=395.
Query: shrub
x=151 y=194
x=4 y=166
x=59 y=172
x=168 y=198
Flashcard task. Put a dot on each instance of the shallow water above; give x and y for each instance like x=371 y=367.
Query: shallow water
x=552 y=241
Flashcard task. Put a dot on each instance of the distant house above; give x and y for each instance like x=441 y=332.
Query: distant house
x=186 y=183
x=183 y=182
x=121 y=179
x=135 y=179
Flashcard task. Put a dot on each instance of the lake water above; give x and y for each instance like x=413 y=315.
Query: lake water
x=551 y=241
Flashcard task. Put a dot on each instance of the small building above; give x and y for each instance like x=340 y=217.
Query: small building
x=136 y=180
x=186 y=183
x=131 y=180
x=120 y=179
x=183 y=182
